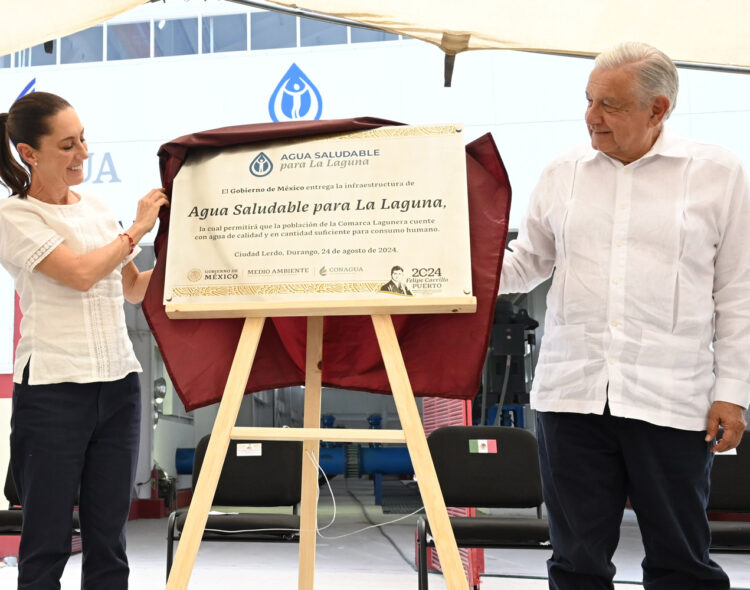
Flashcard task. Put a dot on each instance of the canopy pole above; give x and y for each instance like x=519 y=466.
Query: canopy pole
x=450 y=59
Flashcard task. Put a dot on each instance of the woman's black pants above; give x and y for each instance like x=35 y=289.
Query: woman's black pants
x=67 y=437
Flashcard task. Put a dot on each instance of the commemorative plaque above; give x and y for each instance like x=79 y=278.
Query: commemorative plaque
x=371 y=214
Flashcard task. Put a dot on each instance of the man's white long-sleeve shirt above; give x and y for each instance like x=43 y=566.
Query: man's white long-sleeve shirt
x=649 y=306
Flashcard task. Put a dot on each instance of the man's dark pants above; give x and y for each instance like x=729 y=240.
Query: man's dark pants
x=62 y=436
x=590 y=465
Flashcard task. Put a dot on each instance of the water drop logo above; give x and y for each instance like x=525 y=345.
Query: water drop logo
x=27 y=89
x=261 y=165
x=296 y=98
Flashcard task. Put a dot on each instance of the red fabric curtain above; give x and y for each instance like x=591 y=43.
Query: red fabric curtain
x=444 y=353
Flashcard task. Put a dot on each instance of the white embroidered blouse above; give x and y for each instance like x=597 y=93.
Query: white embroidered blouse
x=68 y=335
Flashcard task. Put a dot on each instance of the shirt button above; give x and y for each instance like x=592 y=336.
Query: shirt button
x=619 y=243
x=611 y=360
x=623 y=206
x=614 y=323
x=616 y=281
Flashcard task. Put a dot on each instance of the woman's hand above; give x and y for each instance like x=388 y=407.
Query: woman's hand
x=147 y=213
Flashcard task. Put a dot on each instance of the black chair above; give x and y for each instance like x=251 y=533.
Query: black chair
x=730 y=493
x=507 y=478
x=11 y=520
x=272 y=478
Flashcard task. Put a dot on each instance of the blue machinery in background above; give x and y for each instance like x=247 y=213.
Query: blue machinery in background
x=380 y=461
x=184 y=460
x=332 y=459
x=332 y=456
x=374 y=460
x=511 y=415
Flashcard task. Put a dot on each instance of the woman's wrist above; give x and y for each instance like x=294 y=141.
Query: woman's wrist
x=136 y=232
x=130 y=243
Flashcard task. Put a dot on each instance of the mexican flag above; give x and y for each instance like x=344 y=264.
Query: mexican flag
x=483 y=446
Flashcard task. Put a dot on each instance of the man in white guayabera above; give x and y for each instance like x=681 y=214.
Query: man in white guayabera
x=644 y=355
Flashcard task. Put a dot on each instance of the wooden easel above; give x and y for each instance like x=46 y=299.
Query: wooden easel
x=311 y=434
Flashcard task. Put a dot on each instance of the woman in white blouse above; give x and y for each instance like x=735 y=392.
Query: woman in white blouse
x=76 y=395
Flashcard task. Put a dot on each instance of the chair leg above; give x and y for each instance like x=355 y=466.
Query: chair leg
x=422 y=553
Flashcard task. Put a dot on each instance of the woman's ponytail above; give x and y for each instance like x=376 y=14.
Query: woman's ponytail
x=12 y=174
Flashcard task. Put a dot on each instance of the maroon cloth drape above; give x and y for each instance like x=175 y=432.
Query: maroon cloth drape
x=444 y=353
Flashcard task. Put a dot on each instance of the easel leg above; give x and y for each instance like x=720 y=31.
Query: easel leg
x=429 y=487
x=214 y=460
x=309 y=502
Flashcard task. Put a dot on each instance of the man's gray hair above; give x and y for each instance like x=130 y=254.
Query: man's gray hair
x=655 y=73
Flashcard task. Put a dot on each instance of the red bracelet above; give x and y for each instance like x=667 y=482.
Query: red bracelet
x=130 y=240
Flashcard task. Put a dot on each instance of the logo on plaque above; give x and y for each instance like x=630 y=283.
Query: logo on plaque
x=261 y=165
x=295 y=98
x=195 y=275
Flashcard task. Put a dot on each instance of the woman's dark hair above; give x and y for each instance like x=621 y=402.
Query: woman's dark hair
x=27 y=121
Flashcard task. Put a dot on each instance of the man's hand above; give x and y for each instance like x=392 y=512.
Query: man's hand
x=732 y=418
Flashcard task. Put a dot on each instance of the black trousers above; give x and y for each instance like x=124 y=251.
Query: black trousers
x=590 y=465
x=65 y=436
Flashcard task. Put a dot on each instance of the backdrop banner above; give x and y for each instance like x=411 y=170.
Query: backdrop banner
x=444 y=353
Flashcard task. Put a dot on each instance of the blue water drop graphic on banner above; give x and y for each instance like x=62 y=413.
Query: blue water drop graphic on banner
x=261 y=165
x=295 y=98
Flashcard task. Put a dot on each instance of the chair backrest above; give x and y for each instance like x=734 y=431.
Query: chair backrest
x=730 y=479
x=487 y=466
x=11 y=493
x=271 y=478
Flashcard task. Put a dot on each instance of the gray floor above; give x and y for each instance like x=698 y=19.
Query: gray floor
x=372 y=559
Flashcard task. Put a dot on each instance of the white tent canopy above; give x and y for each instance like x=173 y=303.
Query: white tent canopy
x=698 y=31
x=25 y=23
